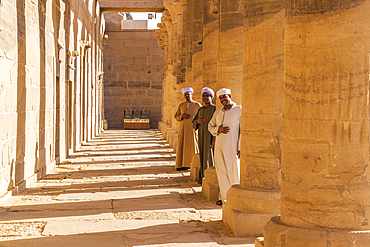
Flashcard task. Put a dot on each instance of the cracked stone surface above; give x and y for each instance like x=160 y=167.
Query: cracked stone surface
x=120 y=189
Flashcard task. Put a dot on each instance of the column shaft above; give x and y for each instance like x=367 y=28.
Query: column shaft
x=197 y=61
x=189 y=42
x=230 y=48
x=210 y=42
x=325 y=181
x=251 y=204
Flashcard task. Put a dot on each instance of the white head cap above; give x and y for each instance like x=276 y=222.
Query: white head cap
x=208 y=90
x=187 y=89
x=223 y=91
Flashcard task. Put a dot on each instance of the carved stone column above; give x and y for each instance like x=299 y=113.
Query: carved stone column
x=189 y=42
x=105 y=123
x=325 y=186
x=180 y=48
x=177 y=96
x=183 y=27
x=172 y=27
x=162 y=37
x=250 y=205
x=197 y=44
x=210 y=187
x=166 y=27
x=210 y=42
x=84 y=90
x=230 y=48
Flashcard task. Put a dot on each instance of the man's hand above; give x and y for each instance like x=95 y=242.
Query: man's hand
x=201 y=120
x=223 y=129
x=185 y=116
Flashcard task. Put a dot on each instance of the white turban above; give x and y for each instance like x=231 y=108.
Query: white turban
x=223 y=91
x=208 y=90
x=187 y=89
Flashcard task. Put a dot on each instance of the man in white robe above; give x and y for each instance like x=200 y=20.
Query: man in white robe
x=225 y=126
x=187 y=139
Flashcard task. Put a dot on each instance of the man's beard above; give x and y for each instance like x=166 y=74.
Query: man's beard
x=227 y=102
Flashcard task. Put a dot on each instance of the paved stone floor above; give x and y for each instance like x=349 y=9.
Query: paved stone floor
x=118 y=190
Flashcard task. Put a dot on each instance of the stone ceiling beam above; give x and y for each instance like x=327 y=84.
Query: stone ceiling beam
x=131 y=6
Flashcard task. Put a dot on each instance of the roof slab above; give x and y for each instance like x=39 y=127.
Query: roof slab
x=131 y=6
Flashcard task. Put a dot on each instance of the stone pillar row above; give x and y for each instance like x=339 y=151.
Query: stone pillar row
x=300 y=72
x=213 y=34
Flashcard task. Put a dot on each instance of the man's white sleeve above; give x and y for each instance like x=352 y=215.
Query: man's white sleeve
x=240 y=119
x=212 y=126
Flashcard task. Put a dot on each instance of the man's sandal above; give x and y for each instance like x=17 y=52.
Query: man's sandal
x=219 y=202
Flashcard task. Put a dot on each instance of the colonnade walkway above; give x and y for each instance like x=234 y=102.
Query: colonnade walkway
x=118 y=190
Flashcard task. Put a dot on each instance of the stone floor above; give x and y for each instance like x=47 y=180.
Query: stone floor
x=118 y=190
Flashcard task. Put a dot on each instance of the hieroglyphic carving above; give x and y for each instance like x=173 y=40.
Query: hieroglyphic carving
x=326 y=119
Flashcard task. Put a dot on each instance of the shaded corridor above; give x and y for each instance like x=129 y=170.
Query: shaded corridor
x=118 y=190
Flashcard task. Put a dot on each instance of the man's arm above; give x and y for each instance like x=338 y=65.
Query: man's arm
x=240 y=115
x=195 y=124
x=178 y=115
x=212 y=126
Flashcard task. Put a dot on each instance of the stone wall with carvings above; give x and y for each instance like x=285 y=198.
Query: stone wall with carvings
x=50 y=59
x=133 y=72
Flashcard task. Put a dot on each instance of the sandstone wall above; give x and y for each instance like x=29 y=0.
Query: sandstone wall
x=39 y=86
x=133 y=75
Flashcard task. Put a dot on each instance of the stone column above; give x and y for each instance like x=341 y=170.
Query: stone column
x=166 y=89
x=197 y=44
x=166 y=26
x=251 y=204
x=210 y=188
x=180 y=48
x=177 y=96
x=188 y=43
x=105 y=123
x=183 y=26
x=162 y=37
x=175 y=43
x=210 y=43
x=230 y=49
x=325 y=186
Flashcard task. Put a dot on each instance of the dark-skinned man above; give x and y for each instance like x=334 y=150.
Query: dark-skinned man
x=200 y=123
x=225 y=126
x=187 y=143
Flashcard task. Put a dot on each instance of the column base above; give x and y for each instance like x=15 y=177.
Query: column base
x=170 y=132
x=164 y=129
x=194 y=168
x=210 y=188
x=278 y=234
x=173 y=140
x=161 y=124
x=246 y=211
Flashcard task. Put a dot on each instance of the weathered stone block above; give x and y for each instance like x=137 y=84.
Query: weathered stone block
x=144 y=43
x=138 y=84
x=261 y=173
x=247 y=211
x=194 y=167
x=147 y=35
x=276 y=233
x=210 y=187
